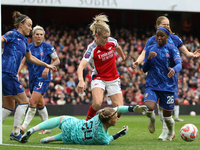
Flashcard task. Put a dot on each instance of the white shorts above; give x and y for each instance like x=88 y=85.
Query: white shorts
x=112 y=87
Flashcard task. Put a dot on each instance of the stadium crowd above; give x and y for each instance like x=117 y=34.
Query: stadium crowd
x=71 y=43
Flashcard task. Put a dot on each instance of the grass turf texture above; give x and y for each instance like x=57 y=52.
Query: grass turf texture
x=137 y=138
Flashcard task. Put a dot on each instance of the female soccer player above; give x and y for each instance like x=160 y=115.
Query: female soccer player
x=162 y=61
x=91 y=132
x=101 y=53
x=176 y=41
x=14 y=49
x=39 y=77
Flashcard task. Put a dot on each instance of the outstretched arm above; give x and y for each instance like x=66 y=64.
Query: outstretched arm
x=118 y=49
x=138 y=108
x=140 y=59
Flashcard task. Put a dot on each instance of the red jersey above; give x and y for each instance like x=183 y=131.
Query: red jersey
x=103 y=60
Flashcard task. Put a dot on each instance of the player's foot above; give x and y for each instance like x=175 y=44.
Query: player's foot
x=169 y=137
x=44 y=132
x=44 y=140
x=178 y=120
x=22 y=130
x=15 y=137
x=151 y=126
x=26 y=136
x=163 y=135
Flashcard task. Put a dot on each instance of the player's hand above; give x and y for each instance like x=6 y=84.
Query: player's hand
x=123 y=131
x=81 y=87
x=141 y=109
x=45 y=73
x=151 y=55
x=171 y=73
x=196 y=53
x=135 y=64
x=53 y=68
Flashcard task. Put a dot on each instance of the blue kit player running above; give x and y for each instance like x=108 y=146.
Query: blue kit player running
x=162 y=62
x=14 y=49
x=91 y=132
x=39 y=76
x=177 y=42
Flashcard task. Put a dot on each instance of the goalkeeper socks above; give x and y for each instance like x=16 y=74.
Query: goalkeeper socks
x=29 y=116
x=43 y=113
x=5 y=113
x=91 y=113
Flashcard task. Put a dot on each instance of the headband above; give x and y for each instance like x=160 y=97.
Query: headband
x=163 y=29
x=24 y=19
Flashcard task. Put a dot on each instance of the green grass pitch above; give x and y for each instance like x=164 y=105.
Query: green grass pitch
x=137 y=138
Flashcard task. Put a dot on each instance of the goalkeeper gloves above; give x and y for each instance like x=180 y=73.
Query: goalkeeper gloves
x=121 y=132
x=140 y=109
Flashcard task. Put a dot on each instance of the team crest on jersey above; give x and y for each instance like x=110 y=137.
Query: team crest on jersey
x=167 y=55
x=20 y=86
x=87 y=55
x=42 y=54
x=146 y=94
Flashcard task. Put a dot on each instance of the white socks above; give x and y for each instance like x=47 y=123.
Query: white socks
x=5 y=113
x=160 y=113
x=170 y=124
x=43 y=113
x=29 y=116
x=19 y=117
x=176 y=111
x=151 y=115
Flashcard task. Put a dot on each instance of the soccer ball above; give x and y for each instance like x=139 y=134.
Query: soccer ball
x=189 y=132
x=192 y=113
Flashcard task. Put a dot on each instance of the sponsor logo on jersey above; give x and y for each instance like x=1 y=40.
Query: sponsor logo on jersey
x=18 y=39
x=38 y=88
x=167 y=55
x=42 y=54
x=9 y=32
x=96 y=84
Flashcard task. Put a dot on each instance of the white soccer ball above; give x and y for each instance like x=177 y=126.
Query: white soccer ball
x=189 y=132
x=192 y=113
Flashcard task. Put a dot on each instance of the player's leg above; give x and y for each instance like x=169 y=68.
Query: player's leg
x=48 y=124
x=22 y=101
x=150 y=101
x=176 y=109
x=42 y=110
x=167 y=103
x=8 y=107
x=51 y=138
x=35 y=97
x=114 y=91
x=98 y=88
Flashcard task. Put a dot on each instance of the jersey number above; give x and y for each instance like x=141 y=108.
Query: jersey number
x=88 y=127
x=170 y=99
x=40 y=84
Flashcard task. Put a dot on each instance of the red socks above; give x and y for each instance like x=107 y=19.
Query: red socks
x=91 y=113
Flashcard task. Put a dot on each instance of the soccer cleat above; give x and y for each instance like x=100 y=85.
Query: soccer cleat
x=169 y=137
x=44 y=132
x=22 y=130
x=15 y=137
x=163 y=135
x=151 y=126
x=178 y=120
x=44 y=140
x=26 y=136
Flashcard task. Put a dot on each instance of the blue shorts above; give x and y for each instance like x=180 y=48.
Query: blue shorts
x=40 y=87
x=11 y=85
x=166 y=98
x=175 y=96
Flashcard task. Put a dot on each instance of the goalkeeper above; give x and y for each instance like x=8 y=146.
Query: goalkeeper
x=91 y=132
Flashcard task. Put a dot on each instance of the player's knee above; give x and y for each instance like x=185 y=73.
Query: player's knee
x=33 y=102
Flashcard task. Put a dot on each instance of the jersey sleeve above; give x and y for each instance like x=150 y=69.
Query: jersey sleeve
x=150 y=41
x=177 y=59
x=177 y=40
x=113 y=40
x=8 y=36
x=52 y=51
x=88 y=54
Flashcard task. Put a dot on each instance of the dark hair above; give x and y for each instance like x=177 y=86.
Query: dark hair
x=106 y=114
x=18 y=18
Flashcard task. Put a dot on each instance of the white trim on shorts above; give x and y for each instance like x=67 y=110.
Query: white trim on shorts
x=112 y=87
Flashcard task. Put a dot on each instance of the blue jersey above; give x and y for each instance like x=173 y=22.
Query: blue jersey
x=91 y=132
x=41 y=52
x=157 y=78
x=14 y=49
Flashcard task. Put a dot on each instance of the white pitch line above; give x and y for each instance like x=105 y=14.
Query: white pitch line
x=41 y=146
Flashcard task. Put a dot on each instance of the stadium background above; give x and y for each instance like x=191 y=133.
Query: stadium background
x=129 y=27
